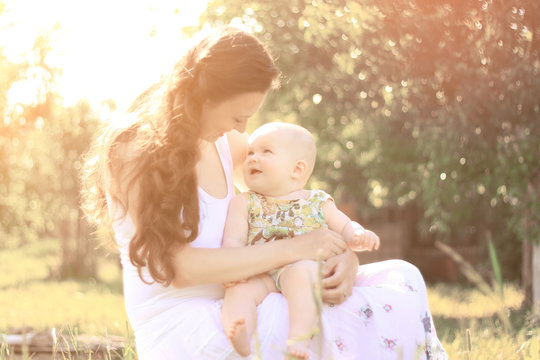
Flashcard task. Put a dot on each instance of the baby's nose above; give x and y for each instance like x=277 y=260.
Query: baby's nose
x=252 y=158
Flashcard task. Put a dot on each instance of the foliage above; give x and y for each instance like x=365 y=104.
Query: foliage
x=422 y=106
x=41 y=141
x=423 y=109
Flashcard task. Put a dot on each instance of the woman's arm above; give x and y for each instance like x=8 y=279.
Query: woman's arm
x=198 y=266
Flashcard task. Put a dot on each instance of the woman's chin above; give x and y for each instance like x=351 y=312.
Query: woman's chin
x=212 y=138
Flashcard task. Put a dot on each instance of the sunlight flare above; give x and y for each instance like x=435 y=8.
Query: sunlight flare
x=105 y=50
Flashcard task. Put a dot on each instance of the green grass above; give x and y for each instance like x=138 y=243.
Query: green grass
x=458 y=310
x=30 y=297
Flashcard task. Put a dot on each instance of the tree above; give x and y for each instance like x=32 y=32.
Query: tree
x=424 y=104
x=41 y=142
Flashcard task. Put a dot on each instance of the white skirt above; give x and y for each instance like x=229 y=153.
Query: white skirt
x=386 y=317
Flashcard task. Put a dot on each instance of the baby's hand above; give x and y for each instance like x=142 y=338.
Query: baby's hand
x=364 y=239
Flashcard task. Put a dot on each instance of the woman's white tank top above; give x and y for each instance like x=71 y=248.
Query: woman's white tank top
x=144 y=301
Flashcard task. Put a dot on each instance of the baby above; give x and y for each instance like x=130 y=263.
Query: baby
x=280 y=161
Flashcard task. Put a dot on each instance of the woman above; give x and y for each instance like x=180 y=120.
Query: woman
x=164 y=179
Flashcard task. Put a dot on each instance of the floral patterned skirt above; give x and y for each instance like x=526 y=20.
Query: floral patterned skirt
x=386 y=317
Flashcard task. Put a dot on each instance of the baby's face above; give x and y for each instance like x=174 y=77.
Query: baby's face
x=269 y=164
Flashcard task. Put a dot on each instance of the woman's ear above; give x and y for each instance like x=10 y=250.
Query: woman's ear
x=299 y=170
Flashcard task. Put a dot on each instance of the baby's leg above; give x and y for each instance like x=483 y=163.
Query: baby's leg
x=297 y=282
x=239 y=312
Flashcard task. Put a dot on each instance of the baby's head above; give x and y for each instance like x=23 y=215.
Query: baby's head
x=280 y=160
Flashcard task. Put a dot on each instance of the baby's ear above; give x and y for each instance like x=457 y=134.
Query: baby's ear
x=300 y=168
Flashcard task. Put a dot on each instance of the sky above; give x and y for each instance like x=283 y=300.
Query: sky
x=107 y=49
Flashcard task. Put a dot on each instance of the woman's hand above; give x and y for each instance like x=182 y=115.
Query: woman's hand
x=339 y=273
x=320 y=243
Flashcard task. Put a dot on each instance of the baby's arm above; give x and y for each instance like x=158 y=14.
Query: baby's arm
x=235 y=233
x=361 y=239
x=358 y=238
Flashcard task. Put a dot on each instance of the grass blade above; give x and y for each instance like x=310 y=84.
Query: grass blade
x=469 y=343
x=496 y=267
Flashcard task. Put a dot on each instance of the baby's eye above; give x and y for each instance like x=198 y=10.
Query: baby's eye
x=250 y=152
x=267 y=151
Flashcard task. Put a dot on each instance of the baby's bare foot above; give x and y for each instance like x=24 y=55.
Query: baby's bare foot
x=299 y=350
x=239 y=337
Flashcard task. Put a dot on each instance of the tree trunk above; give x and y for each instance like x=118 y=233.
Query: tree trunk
x=78 y=257
x=536 y=278
x=531 y=258
x=526 y=272
x=85 y=247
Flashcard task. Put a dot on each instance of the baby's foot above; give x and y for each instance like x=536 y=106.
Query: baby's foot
x=299 y=350
x=239 y=337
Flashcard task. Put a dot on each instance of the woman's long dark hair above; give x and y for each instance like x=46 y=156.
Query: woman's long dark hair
x=162 y=139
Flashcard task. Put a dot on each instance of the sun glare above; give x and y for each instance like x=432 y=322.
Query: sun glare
x=105 y=49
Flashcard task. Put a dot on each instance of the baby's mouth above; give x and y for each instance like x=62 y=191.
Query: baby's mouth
x=254 y=172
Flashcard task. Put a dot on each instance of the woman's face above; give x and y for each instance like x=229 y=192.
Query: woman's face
x=218 y=118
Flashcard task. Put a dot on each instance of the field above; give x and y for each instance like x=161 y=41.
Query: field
x=468 y=322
